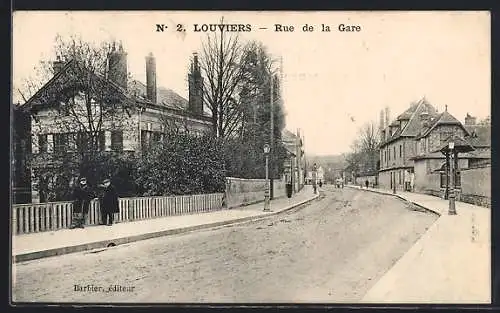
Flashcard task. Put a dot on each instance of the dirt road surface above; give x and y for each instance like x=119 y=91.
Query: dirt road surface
x=333 y=250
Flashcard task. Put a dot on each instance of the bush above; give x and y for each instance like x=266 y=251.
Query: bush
x=182 y=164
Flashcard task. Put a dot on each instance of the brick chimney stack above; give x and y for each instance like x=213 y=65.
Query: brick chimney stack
x=470 y=120
x=117 y=66
x=424 y=118
x=58 y=64
x=151 y=78
x=195 y=88
x=381 y=125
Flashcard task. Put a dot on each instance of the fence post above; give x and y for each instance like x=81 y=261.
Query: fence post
x=37 y=219
x=46 y=213
x=14 y=220
x=53 y=222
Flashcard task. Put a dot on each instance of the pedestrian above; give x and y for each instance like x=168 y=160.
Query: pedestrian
x=366 y=183
x=109 y=203
x=82 y=195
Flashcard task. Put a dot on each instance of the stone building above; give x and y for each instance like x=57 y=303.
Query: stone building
x=294 y=165
x=409 y=149
x=398 y=145
x=146 y=112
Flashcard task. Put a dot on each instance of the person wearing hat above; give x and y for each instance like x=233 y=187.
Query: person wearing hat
x=82 y=195
x=109 y=203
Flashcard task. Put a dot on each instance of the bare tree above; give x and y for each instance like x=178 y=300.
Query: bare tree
x=364 y=150
x=221 y=63
x=79 y=102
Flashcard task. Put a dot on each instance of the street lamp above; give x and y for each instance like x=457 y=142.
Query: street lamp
x=451 y=196
x=267 y=208
x=314 y=177
x=394 y=183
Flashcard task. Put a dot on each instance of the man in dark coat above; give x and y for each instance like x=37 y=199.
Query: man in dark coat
x=82 y=195
x=109 y=203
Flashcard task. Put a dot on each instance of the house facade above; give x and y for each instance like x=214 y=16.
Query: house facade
x=294 y=165
x=410 y=157
x=398 y=147
x=145 y=113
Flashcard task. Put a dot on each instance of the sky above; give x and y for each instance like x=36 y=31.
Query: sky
x=334 y=82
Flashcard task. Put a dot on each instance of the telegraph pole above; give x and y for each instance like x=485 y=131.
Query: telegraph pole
x=271 y=176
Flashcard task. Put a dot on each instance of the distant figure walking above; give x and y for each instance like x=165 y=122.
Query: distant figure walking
x=109 y=203
x=81 y=203
x=366 y=183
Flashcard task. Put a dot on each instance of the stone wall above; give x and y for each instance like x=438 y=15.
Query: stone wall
x=476 y=186
x=241 y=191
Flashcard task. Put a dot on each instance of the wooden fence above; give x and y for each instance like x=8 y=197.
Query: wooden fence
x=38 y=217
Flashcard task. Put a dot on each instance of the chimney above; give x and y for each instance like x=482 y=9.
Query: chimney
x=195 y=88
x=424 y=118
x=387 y=116
x=151 y=78
x=57 y=65
x=470 y=120
x=382 y=125
x=117 y=66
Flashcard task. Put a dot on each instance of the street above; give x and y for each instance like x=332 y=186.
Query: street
x=333 y=250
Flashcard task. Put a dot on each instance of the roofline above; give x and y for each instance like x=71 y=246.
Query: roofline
x=180 y=112
x=56 y=75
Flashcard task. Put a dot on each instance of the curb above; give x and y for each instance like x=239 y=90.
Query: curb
x=399 y=197
x=123 y=240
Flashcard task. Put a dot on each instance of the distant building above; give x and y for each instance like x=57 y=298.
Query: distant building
x=320 y=175
x=294 y=165
x=153 y=111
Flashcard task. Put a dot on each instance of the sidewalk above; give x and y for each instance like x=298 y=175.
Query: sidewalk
x=450 y=263
x=45 y=244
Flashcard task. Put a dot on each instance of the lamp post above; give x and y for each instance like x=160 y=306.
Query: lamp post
x=266 y=193
x=394 y=183
x=451 y=209
x=314 y=177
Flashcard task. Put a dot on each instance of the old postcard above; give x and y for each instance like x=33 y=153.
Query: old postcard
x=251 y=157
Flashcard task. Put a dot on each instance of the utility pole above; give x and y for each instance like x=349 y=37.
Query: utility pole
x=272 y=140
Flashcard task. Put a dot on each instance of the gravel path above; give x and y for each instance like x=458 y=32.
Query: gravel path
x=333 y=250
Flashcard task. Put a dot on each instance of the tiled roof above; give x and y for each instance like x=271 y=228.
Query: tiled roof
x=444 y=118
x=164 y=96
x=480 y=136
x=287 y=135
x=414 y=124
x=459 y=142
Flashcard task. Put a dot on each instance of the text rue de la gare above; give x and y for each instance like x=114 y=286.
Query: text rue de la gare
x=280 y=28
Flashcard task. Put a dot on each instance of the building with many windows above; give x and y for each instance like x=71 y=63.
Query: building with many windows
x=409 y=151
x=145 y=113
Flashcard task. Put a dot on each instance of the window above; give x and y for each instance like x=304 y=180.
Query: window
x=117 y=140
x=146 y=138
x=72 y=141
x=60 y=143
x=389 y=153
x=457 y=179
x=443 y=179
x=394 y=152
x=400 y=151
x=156 y=137
x=43 y=143
x=101 y=141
